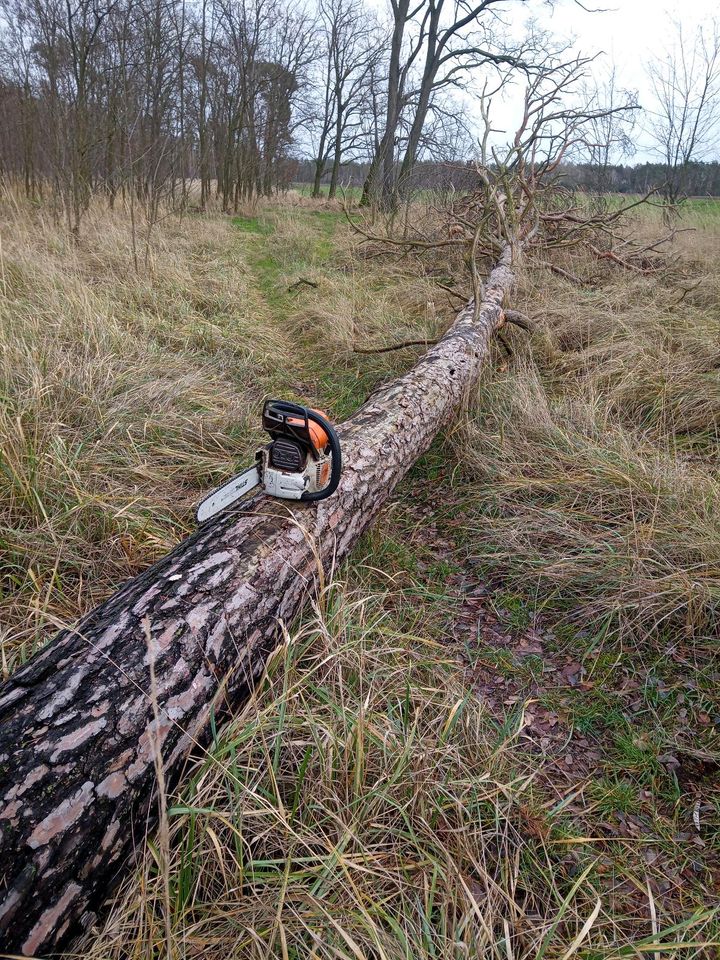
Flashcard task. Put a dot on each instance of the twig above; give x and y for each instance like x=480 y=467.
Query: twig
x=506 y=346
x=407 y=242
x=519 y=320
x=302 y=282
x=611 y=255
x=685 y=292
x=395 y=346
x=652 y=247
x=476 y=282
x=451 y=290
x=562 y=273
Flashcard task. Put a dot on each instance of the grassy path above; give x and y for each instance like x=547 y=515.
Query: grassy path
x=279 y=268
x=352 y=300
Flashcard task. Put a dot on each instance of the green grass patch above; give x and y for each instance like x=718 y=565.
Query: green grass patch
x=255 y=225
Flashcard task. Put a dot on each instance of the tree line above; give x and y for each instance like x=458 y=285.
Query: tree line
x=142 y=96
x=702 y=179
x=145 y=97
x=699 y=179
x=184 y=100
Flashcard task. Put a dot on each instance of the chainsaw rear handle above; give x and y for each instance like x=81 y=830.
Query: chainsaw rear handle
x=336 y=467
x=280 y=411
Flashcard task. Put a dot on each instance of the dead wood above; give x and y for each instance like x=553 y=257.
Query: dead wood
x=303 y=282
x=519 y=320
x=395 y=346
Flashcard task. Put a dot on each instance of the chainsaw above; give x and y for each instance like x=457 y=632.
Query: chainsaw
x=302 y=462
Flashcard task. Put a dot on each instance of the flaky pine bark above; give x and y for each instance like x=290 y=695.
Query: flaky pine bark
x=78 y=725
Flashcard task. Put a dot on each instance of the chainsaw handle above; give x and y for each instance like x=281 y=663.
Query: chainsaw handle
x=281 y=409
x=334 y=444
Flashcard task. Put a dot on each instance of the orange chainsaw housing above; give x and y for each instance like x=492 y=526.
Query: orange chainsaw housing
x=318 y=436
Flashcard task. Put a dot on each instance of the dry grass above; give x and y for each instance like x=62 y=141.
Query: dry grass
x=597 y=455
x=366 y=803
x=124 y=393
x=591 y=501
x=365 y=806
x=122 y=396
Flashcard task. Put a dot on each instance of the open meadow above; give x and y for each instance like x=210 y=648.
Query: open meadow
x=495 y=734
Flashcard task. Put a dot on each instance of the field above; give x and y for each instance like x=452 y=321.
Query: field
x=495 y=735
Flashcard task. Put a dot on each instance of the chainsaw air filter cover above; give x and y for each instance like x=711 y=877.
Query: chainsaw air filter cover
x=286 y=454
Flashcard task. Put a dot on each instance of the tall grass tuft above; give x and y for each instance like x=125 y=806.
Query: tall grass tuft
x=364 y=805
x=122 y=395
x=592 y=458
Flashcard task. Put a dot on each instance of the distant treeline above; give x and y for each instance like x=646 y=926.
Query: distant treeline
x=701 y=179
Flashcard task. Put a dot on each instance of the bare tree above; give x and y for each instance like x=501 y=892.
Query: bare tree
x=262 y=51
x=201 y=63
x=354 y=63
x=139 y=96
x=519 y=198
x=16 y=56
x=66 y=43
x=351 y=49
x=322 y=120
x=608 y=134
x=686 y=119
x=435 y=44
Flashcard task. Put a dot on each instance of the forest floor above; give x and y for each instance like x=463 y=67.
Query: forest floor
x=495 y=735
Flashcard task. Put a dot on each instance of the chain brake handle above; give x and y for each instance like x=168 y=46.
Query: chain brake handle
x=276 y=418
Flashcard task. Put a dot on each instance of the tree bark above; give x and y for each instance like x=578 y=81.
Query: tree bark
x=319 y=170
x=80 y=724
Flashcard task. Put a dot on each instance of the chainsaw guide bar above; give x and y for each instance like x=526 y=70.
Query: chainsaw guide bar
x=303 y=461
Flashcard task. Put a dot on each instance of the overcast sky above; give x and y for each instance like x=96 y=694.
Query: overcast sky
x=630 y=32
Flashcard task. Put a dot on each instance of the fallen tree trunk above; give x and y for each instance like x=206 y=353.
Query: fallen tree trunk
x=80 y=724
